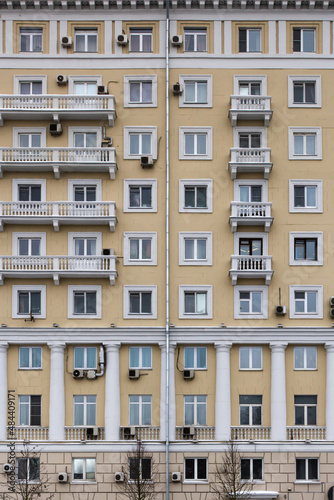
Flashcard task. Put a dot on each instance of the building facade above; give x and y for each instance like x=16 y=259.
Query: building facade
x=165 y=255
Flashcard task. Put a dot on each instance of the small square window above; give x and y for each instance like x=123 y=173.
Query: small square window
x=140 y=302
x=28 y=469
x=85 y=40
x=85 y=358
x=140 y=141
x=195 y=143
x=250 y=358
x=140 y=91
x=28 y=301
x=141 y=39
x=195 y=469
x=83 y=469
x=251 y=302
x=195 y=249
x=306 y=249
x=195 y=195
x=195 y=358
x=305 y=143
x=195 y=40
x=305 y=196
x=304 y=39
x=195 y=302
x=140 y=249
x=306 y=302
x=304 y=91
x=140 y=469
x=31 y=39
x=140 y=357
x=249 y=39
x=84 y=301
x=307 y=469
x=248 y=85
x=251 y=469
x=305 y=358
x=197 y=91
x=140 y=195
x=30 y=358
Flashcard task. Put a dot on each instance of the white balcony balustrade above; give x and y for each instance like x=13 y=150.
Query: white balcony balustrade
x=27 y=433
x=250 y=214
x=250 y=107
x=202 y=433
x=97 y=266
x=141 y=433
x=251 y=266
x=57 y=107
x=249 y=433
x=58 y=212
x=249 y=160
x=58 y=159
x=300 y=433
x=84 y=433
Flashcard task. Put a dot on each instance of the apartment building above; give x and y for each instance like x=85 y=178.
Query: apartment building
x=166 y=242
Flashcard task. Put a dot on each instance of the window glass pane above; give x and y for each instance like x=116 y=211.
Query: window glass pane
x=311 y=415
x=201 y=144
x=134 y=414
x=298 y=144
x=299 y=249
x=146 y=414
x=256 y=357
x=254 y=40
x=201 y=303
x=311 y=357
x=189 y=249
x=189 y=92
x=23 y=303
x=308 y=40
x=23 y=140
x=299 y=357
x=91 y=246
x=34 y=469
x=298 y=92
x=90 y=468
x=312 y=468
x=201 y=357
x=37 y=43
x=244 y=357
x=79 y=140
x=201 y=197
x=91 y=357
x=134 y=303
x=79 y=42
x=24 y=357
x=146 y=303
x=244 y=415
x=256 y=302
x=310 y=144
x=310 y=92
x=300 y=468
x=201 y=249
x=311 y=302
x=24 y=413
x=36 y=357
x=146 y=468
x=189 y=197
x=147 y=43
x=35 y=298
x=257 y=469
x=311 y=196
x=91 y=139
x=134 y=144
x=311 y=249
x=189 y=42
x=134 y=357
x=256 y=415
x=79 y=357
x=244 y=302
x=242 y=40
x=92 y=42
x=134 y=91
x=147 y=92
x=78 y=468
x=245 y=468
x=78 y=412
x=202 y=92
x=189 y=468
x=23 y=246
x=22 y=468
x=35 y=247
x=201 y=468
x=134 y=249
x=91 y=413
x=146 y=197
x=299 y=196
x=189 y=302
x=244 y=193
x=79 y=88
x=189 y=413
x=134 y=197
x=299 y=415
x=134 y=42
x=146 y=249
x=146 y=144
x=189 y=357
x=189 y=140
x=134 y=468
x=146 y=357
x=201 y=42
x=91 y=302
x=79 y=303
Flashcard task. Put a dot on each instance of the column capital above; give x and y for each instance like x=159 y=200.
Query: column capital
x=112 y=346
x=56 y=347
x=329 y=347
x=223 y=346
x=278 y=347
x=163 y=346
x=4 y=347
x=172 y=346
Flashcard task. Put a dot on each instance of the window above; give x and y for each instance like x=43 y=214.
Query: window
x=140 y=40
x=31 y=39
x=29 y=137
x=140 y=91
x=306 y=249
x=139 y=141
x=303 y=40
x=85 y=40
x=249 y=140
x=31 y=88
x=140 y=302
x=250 y=85
x=195 y=40
x=83 y=469
x=85 y=139
x=304 y=91
x=84 y=410
x=195 y=469
x=140 y=469
x=305 y=143
x=84 y=85
x=307 y=469
x=29 y=140
x=85 y=88
x=195 y=249
x=140 y=357
x=306 y=302
x=305 y=410
x=140 y=409
x=28 y=300
x=84 y=301
x=249 y=40
x=30 y=85
x=251 y=469
x=84 y=245
x=305 y=196
x=195 y=195
x=140 y=249
x=250 y=193
x=250 y=246
x=305 y=358
x=251 y=302
x=28 y=469
x=29 y=244
x=250 y=358
x=250 y=88
x=85 y=358
x=29 y=190
x=250 y=408
x=85 y=191
x=30 y=410
x=194 y=410
x=195 y=358
x=140 y=195
x=195 y=302
x=30 y=358
x=197 y=91
x=195 y=143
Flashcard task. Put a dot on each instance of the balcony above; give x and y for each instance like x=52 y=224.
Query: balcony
x=81 y=434
x=251 y=266
x=26 y=433
x=58 y=267
x=58 y=213
x=202 y=433
x=250 y=160
x=57 y=107
x=306 y=433
x=58 y=159
x=250 y=214
x=248 y=433
x=250 y=107
x=141 y=434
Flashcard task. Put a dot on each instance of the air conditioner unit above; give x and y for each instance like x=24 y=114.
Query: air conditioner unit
x=134 y=373
x=119 y=477
x=188 y=431
x=331 y=312
x=92 y=431
x=66 y=41
x=55 y=129
x=280 y=310
x=91 y=374
x=331 y=301
x=77 y=373
x=62 y=477
x=7 y=468
x=177 y=40
x=62 y=79
x=129 y=431
x=146 y=161
x=106 y=251
x=177 y=88
x=102 y=89
x=122 y=39
x=176 y=477
x=188 y=374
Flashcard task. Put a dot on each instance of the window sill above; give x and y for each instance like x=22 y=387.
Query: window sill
x=306 y=263
x=25 y=369
x=82 y=481
x=195 y=481
x=307 y=481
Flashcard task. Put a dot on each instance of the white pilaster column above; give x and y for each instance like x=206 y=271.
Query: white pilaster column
x=278 y=392
x=172 y=403
x=223 y=393
x=3 y=392
x=329 y=392
x=163 y=415
x=112 y=406
x=57 y=393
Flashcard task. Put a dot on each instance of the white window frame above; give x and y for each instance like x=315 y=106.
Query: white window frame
x=250 y=130
x=195 y=130
x=250 y=358
x=195 y=78
x=251 y=182
x=302 y=29
x=85 y=367
x=195 y=236
x=305 y=367
x=84 y=480
x=196 y=31
x=34 y=30
x=30 y=367
x=140 y=183
x=83 y=130
x=250 y=288
x=245 y=236
x=127 y=236
x=28 y=130
x=85 y=404
x=18 y=79
x=28 y=288
x=306 y=480
x=72 y=183
x=237 y=79
x=141 y=405
x=306 y=288
x=317 y=131
x=195 y=479
x=195 y=403
x=17 y=182
x=82 y=79
x=141 y=31
x=84 y=288
x=195 y=367
x=127 y=289
x=17 y=236
x=86 y=31
x=183 y=183
x=140 y=130
x=128 y=79
x=195 y=288
x=318 y=235
x=141 y=347
x=251 y=480
x=316 y=79
x=73 y=236
x=248 y=29
x=302 y=182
